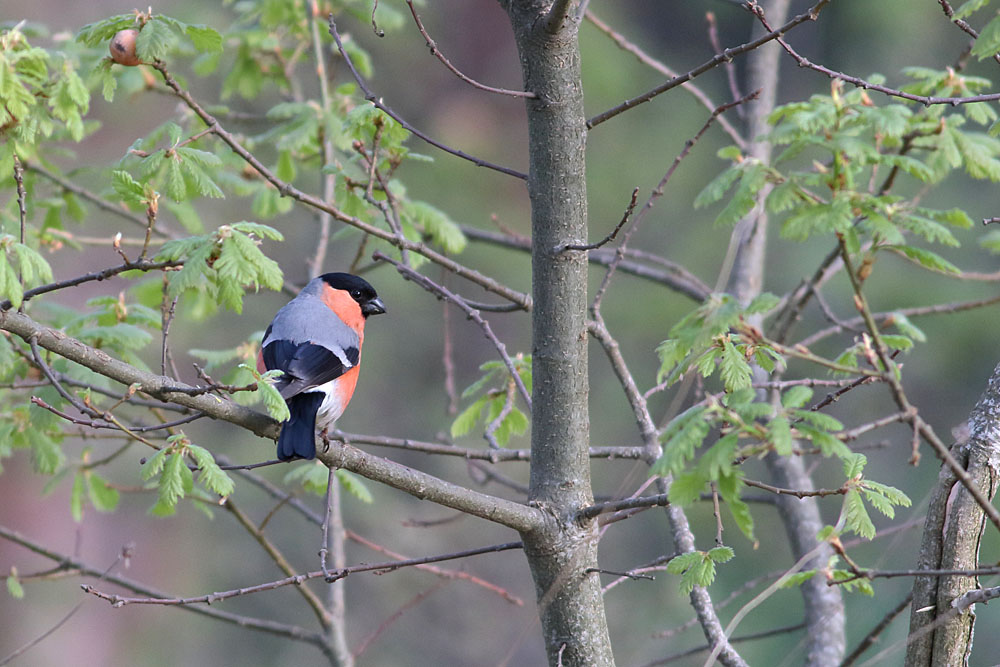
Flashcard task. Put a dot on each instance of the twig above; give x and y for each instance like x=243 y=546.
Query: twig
x=124 y=554
x=138 y=265
x=69 y=562
x=607 y=239
x=436 y=52
x=377 y=102
x=297 y=579
x=795 y=492
x=73 y=400
x=440 y=572
x=743 y=638
x=328 y=504
x=713 y=39
x=876 y=632
x=926 y=100
x=412 y=602
x=655 y=64
x=445 y=293
x=97 y=200
x=591 y=511
x=631 y=574
x=288 y=190
x=725 y=56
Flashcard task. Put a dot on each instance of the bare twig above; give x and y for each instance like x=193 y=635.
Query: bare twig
x=810 y=15
x=436 y=52
x=377 y=102
x=445 y=293
x=611 y=235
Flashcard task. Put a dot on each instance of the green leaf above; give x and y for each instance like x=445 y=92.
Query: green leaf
x=354 y=486
x=796 y=396
x=926 y=258
x=214 y=478
x=128 y=188
x=988 y=42
x=969 y=7
x=76 y=497
x=717 y=187
x=854 y=465
x=781 y=436
x=269 y=396
x=467 y=419
x=857 y=516
x=686 y=488
x=204 y=38
x=103 y=497
x=721 y=554
x=762 y=303
x=154 y=465
x=897 y=342
x=172 y=484
x=730 y=487
x=735 y=371
x=14 y=587
x=797 y=579
x=154 y=41
x=683 y=435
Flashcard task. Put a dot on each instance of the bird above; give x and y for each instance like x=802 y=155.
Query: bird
x=315 y=340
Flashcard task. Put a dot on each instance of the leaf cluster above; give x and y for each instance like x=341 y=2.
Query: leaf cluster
x=495 y=392
x=175 y=478
x=224 y=263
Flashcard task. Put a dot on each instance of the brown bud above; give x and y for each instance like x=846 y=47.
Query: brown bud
x=123 y=47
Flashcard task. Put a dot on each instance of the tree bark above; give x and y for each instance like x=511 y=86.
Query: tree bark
x=939 y=635
x=824 y=607
x=561 y=551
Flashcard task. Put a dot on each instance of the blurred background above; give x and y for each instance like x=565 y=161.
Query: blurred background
x=401 y=392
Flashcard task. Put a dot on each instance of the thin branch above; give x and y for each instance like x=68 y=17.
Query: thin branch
x=591 y=511
x=876 y=632
x=725 y=56
x=124 y=554
x=377 y=102
x=655 y=64
x=607 y=239
x=288 y=190
x=297 y=580
x=676 y=277
x=97 y=200
x=70 y=563
x=797 y=493
x=138 y=265
x=436 y=52
x=926 y=100
x=491 y=455
x=445 y=293
x=763 y=634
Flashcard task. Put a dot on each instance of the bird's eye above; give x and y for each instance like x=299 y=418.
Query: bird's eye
x=356 y=293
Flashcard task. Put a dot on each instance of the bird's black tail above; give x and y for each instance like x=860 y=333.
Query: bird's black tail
x=298 y=435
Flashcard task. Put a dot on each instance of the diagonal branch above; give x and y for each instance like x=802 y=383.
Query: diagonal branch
x=377 y=101
x=810 y=15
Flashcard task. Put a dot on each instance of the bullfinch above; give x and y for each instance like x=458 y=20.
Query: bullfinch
x=315 y=340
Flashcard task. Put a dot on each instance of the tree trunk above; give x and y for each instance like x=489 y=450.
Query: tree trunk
x=570 y=603
x=952 y=532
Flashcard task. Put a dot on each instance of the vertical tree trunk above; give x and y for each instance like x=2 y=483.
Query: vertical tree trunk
x=570 y=603
x=824 y=607
x=952 y=531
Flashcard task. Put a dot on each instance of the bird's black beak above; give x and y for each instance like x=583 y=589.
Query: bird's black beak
x=373 y=307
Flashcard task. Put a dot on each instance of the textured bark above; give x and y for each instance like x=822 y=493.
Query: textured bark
x=952 y=532
x=560 y=552
x=824 y=607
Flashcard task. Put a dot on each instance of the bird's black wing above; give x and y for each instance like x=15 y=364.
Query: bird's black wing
x=305 y=365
